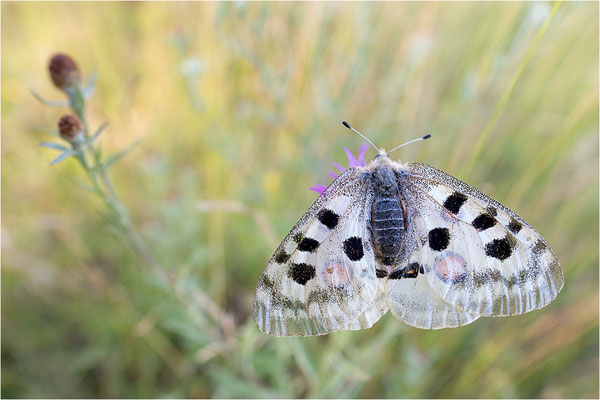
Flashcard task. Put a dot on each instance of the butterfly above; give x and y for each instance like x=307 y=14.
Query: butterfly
x=410 y=239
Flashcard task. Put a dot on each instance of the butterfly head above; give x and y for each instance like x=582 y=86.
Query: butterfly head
x=382 y=155
x=382 y=160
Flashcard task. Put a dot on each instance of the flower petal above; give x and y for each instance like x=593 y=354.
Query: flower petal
x=361 y=162
x=339 y=167
x=318 y=188
x=361 y=156
x=351 y=159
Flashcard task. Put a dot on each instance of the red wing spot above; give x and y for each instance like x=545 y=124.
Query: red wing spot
x=336 y=274
x=451 y=268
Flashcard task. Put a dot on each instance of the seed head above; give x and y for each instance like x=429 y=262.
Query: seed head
x=64 y=71
x=69 y=127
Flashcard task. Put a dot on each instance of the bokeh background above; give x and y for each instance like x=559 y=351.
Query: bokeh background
x=238 y=106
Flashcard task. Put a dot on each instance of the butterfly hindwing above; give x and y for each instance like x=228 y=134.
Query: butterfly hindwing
x=322 y=276
x=411 y=299
x=479 y=255
x=373 y=313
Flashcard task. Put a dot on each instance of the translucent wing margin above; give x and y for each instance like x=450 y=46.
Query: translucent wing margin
x=322 y=276
x=477 y=254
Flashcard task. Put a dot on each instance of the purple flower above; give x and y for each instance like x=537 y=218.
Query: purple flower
x=352 y=161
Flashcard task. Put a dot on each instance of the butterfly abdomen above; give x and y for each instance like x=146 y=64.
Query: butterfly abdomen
x=387 y=224
x=387 y=219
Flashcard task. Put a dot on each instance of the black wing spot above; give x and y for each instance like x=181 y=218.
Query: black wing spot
x=353 y=248
x=302 y=273
x=439 y=238
x=511 y=239
x=328 y=218
x=297 y=237
x=498 y=248
x=397 y=274
x=515 y=226
x=493 y=212
x=539 y=247
x=282 y=257
x=380 y=273
x=454 y=202
x=308 y=244
x=483 y=222
x=265 y=282
x=411 y=271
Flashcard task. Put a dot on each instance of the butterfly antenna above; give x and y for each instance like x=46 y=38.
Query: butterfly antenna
x=409 y=142
x=347 y=125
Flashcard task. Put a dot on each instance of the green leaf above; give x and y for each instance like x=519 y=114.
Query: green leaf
x=90 y=86
x=117 y=156
x=63 y=156
x=98 y=155
x=48 y=102
x=96 y=134
x=55 y=146
x=84 y=186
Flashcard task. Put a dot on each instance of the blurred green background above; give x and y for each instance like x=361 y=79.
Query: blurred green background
x=239 y=108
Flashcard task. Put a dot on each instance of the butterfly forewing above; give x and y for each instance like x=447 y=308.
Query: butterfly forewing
x=322 y=276
x=479 y=255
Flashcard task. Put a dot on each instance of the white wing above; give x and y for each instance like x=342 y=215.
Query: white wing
x=412 y=300
x=373 y=313
x=322 y=276
x=478 y=255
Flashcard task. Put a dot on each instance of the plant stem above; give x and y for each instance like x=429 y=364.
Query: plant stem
x=83 y=161
x=118 y=216
x=117 y=213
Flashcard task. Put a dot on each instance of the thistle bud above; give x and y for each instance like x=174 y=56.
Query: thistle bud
x=69 y=127
x=64 y=72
